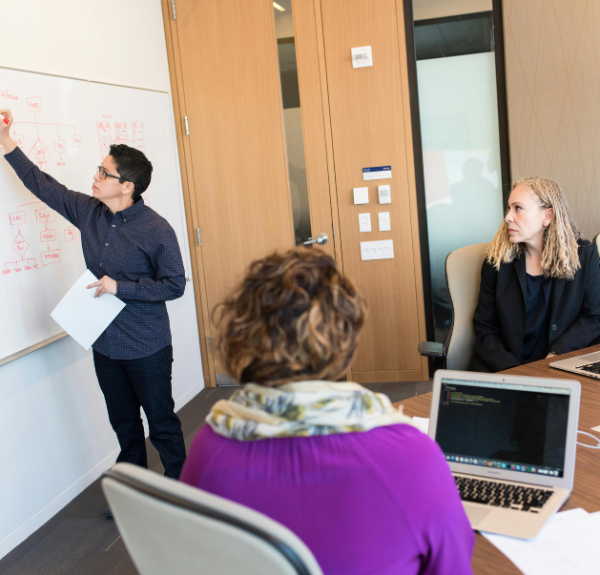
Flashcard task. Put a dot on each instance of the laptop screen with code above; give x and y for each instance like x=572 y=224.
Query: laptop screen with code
x=506 y=426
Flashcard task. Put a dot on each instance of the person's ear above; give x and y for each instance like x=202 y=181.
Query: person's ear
x=548 y=217
x=128 y=188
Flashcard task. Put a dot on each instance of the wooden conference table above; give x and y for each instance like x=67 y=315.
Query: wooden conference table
x=586 y=490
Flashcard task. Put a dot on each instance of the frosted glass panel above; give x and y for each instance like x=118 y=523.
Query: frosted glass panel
x=292 y=120
x=461 y=157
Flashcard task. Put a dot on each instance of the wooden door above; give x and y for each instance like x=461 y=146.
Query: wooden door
x=225 y=79
x=370 y=126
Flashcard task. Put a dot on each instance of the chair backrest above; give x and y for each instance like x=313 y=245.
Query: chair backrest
x=463 y=273
x=170 y=527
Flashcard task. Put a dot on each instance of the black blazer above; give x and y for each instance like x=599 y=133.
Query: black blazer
x=499 y=319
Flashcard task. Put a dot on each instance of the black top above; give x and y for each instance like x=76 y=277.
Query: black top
x=500 y=320
x=537 y=318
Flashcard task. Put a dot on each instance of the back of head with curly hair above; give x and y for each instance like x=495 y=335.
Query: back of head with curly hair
x=293 y=318
x=560 y=257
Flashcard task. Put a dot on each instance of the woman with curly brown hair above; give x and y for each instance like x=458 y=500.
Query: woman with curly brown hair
x=335 y=463
x=540 y=283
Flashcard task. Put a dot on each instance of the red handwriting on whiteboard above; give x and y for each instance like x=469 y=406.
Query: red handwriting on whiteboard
x=17 y=218
x=71 y=233
x=121 y=131
x=60 y=146
x=50 y=257
x=44 y=215
x=48 y=236
x=6 y=94
x=24 y=264
x=34 y=104
x=39 y=154
x=137 y=129
x=20 y=245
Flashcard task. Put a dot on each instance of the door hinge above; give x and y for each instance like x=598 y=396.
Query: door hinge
x=198 y=236
x=210 y=344
x=174 y=11
x=332 y=230
x=187 y=126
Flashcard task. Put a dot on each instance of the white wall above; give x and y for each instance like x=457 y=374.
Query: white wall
x=55 y=438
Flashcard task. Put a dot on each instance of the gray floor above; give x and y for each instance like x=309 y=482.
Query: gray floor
x=80 y=541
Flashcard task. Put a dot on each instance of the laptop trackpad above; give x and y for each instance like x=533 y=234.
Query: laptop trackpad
x=476 y=514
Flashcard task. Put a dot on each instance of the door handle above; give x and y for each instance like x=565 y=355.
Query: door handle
x=321 y=240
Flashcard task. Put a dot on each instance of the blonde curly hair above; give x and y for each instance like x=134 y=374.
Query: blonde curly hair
x=560 y=258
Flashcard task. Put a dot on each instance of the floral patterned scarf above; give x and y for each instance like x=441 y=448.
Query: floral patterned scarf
x=302 y=409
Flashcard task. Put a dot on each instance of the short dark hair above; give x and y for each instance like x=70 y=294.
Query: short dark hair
x=294 y=317
x=132 y=166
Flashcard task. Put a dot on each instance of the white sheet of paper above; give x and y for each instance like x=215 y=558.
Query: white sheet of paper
x=421 y=423
x=81 y=315
x=568 y=544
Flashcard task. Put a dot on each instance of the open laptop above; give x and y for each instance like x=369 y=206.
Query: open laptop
x=588 y=365
x=510 y=443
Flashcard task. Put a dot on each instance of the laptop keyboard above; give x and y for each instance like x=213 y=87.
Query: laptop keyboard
x=591 y=368
x=505 y=495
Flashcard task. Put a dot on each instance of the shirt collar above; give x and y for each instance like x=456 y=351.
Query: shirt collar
x=128 y=214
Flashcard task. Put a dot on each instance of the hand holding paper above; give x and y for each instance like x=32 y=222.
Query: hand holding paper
x=83 y=314
x=105 y=285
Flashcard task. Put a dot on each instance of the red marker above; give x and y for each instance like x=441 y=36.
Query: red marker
x=5 y=120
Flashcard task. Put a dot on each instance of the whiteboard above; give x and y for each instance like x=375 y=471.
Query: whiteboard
x=66 y=126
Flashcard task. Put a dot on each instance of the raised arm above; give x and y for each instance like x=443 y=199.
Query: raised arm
x=71 y=205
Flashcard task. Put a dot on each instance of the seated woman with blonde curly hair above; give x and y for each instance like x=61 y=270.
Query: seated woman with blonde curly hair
x=335 y=463
x=540 y=283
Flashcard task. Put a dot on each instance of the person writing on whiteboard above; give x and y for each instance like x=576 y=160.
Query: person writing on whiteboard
x=135 y=254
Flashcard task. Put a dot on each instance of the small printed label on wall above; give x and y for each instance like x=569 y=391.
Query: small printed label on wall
x=362 y=57
x=379 y=173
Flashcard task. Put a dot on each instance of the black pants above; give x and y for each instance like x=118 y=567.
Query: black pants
x=129 y=384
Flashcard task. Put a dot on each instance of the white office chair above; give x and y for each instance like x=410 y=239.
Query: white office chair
x=463 y=274
x=171 y=528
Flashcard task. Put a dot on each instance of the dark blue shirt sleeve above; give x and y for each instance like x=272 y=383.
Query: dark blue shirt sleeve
x=71 y=205
x=168 y=282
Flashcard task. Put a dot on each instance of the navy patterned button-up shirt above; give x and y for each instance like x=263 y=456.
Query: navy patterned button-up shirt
x=136 y=247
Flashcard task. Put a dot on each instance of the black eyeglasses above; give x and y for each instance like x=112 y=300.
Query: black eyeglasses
x=104 y=174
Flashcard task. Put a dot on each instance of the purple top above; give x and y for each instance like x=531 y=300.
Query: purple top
x=381 y=501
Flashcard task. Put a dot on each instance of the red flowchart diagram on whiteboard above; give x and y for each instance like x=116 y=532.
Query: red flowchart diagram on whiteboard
x=40 y=147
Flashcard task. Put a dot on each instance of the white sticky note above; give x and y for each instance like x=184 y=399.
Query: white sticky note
x=384 y=222
x=364 y=222
x=361 y=195
x=385 y=196
x=362 y=57
x=597 y=428
x=84 y=317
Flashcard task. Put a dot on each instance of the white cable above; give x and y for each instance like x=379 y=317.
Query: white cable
x=586 y=444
